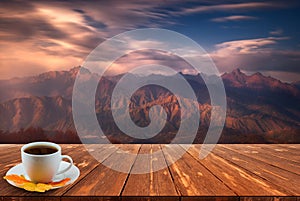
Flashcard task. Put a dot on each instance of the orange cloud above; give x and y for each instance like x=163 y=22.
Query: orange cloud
x=233 y=18
x=258 y=54
x=230 y=7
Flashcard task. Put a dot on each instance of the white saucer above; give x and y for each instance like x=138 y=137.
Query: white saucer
x=73 y=173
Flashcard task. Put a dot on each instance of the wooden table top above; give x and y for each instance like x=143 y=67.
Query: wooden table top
x=230 y=172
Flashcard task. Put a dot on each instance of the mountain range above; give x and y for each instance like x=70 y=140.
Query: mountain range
x=260 y=109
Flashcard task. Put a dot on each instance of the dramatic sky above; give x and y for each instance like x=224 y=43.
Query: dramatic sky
x=38 y=36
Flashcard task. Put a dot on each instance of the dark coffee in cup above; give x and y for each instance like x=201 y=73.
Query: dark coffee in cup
x=40 y=150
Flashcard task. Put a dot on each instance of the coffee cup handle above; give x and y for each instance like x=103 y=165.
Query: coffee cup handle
x=67 y=168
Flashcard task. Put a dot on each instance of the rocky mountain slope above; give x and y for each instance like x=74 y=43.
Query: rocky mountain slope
x=260 y=109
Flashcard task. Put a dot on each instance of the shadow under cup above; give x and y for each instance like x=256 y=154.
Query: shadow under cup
x=41 y=161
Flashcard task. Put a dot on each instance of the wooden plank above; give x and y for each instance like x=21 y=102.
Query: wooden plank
x=268 y=199
x=10 y=156
x=10 y=152
x=277 y=180
x=191 y=178
x=101 y=151
x=122 y=161
x=162 y=179
x=276 y=175
x=197 y=198
x=291 y=147
x=104 y=181
x=82 y=159
x=281 y=152
x=6 y=158
x=154 y=198
x=235 y=177
x=157 y=183
x=89 y=198
x=139 y=184
x=14 y=159
x=37 y=198
x=7 y=145
x=261 y=156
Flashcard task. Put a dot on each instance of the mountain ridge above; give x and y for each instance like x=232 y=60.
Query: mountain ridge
x=257 y=105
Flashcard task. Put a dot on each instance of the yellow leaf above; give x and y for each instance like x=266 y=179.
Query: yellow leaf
x=29 y=186
x=40 y=187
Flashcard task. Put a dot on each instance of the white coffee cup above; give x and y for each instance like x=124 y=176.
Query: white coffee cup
x=43 y=166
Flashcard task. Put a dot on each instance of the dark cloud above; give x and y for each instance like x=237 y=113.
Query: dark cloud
x=18 y=29
x=16 y=7
x=79 y=11
x=94 y=23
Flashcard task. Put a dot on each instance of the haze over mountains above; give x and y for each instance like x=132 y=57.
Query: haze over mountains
x=259 y=109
